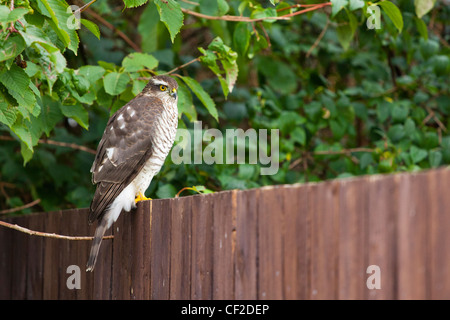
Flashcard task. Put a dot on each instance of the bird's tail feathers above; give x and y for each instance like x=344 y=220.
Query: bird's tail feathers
x=98 y=237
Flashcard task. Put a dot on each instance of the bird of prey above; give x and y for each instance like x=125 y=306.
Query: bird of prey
x=135 y=143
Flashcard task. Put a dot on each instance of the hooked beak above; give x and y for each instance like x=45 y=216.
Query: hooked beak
x=173 y=94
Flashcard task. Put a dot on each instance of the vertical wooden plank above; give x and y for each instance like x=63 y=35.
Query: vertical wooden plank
x=160 y=249
x=438 y=187
x=180 y=249
x=295 y=242
x=35 y=258
x=224 y=210
x=19 y=256
x=246 y=249
x=202 y=255
x=412 y=237
x=323 y=204
x=353 y=239
x=6 y=261
x=51 y=257
x=141 y=266
x=381 y=251
x=67 y=253
x=121 y=279
x=270 y=243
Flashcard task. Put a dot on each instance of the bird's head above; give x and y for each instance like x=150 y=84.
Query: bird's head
x=162 y=87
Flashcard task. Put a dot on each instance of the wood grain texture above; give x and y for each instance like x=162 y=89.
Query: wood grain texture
x=302 y=241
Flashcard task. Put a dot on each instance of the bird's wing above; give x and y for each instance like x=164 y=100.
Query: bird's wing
x=124 y=149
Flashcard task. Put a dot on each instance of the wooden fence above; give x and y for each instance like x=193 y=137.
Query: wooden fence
x=309 y=241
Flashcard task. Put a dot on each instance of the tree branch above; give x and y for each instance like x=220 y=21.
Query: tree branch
x=28 y=205
x=46 y=235
x=56 y=143
x=247 y=19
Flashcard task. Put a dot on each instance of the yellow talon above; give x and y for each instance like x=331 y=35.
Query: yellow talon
x=141 y=197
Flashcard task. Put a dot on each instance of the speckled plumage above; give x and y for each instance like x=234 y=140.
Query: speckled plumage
x=134 y=146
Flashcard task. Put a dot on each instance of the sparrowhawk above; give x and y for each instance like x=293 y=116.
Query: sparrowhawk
x=135 y=143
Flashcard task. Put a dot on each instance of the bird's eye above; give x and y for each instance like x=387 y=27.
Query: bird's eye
x=163 y=87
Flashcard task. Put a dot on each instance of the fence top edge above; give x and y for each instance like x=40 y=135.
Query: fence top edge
x=339 y=181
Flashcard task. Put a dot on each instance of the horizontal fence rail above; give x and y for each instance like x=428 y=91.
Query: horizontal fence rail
x=327 y=240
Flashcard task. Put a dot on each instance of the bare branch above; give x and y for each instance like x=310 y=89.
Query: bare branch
x=28 y=205
x=56 y=143
x=46 y=235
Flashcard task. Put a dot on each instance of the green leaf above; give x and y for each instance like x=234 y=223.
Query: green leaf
x=214 y=7
x=241 y=37
x=393 y=12
x=356 y=4
x=27 y=153
x=170 y=13
x=8 y=114
x=61 y=17
x=185 y=104
x=421 y=28
x=435 y=158
x=18 y=84
x=337 y=5
x=137 y=61
x=417 y=154
x=92 y=73
x=134 y=3
x=202 y=95
x=166 y=191
x=92 y=27
x=7 y=16
x=12 y=48
x=148 y=28
x=346 y=31
x=50 y=114
x=115 y=83
x=78 y=113
x=423 y=7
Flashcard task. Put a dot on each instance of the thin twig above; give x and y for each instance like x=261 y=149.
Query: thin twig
x=247 y=19
x=100 y=19
x=28 y=205
x=316 y=43
x=183 y=65
x=56 y=143
x=46 y=235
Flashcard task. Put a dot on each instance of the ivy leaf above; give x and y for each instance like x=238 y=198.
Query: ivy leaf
x=346 y=31
x=115 y=83
x=393 y=12
x=417 y=154
x=137 y=61
x=171 y=15
x=202 y=95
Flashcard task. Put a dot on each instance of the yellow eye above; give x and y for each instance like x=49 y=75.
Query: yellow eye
x=163 y=87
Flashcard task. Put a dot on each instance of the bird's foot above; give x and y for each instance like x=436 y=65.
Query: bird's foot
x=141 y=197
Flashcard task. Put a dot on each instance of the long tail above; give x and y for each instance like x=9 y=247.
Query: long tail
x=98 y=237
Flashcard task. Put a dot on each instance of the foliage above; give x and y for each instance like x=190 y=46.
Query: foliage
x=348 y=99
